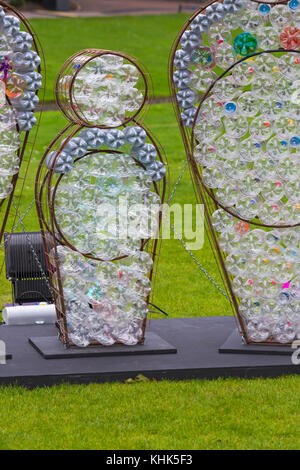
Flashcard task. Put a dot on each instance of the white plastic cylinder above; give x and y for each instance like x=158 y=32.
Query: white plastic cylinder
x=29 y=314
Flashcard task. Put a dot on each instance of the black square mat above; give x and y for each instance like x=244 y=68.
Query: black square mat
x=235 y=345
x=51 y=348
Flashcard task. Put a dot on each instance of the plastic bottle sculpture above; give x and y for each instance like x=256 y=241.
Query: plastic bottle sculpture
x=20 y=81
x=99 y=190
x=235 y=76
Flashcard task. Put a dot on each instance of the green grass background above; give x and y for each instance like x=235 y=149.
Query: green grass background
x=222 y=414
x=148 y=38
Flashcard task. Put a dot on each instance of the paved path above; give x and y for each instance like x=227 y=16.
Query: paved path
x=119 y=8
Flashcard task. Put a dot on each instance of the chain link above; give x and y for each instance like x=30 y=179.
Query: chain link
x=200 y=266
x=33 y=250
x=177 y=182
x=21 y=219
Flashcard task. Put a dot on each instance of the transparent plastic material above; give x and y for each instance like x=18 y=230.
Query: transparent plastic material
x=259 y=140
x=245 y=69
x=9 y=146
x=106 y=90
x=104 y=207
x=105 y=302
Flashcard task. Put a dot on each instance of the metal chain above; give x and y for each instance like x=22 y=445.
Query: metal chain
x=21 y=219
x=200 y=266
x=177 y=182
x=33 y=250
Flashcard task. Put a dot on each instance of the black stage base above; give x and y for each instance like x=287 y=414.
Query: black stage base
x=197 y=341
x=234 y=345
x=51 y=348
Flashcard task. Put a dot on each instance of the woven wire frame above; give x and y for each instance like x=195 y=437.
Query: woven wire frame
x=65 y=95
x=8 y=213
x=205 y=195
x=47 y=182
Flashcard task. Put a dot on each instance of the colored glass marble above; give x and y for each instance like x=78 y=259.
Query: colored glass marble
x=245 y=44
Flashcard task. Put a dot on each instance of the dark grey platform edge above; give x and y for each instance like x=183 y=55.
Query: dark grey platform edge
x=51 y=348
x=235 y=345
x=197 y=341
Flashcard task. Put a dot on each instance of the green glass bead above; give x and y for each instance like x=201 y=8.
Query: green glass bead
x=245 y=44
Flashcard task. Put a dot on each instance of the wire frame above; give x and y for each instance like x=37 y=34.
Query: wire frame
x=48 y=181
x=65 y=89
x=206 y=195
x=28 y=138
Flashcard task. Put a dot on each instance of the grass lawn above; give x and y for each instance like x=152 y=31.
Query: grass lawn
x=229 y=414
x=149 y=38
x=223 y=414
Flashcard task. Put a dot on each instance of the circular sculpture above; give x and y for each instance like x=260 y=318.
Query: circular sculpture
x=244 y=155
x=253 y=140
x=100 y=186
x=101 y=90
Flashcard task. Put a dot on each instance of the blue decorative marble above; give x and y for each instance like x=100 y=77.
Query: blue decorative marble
x=295 y=142
x=76 y=147
x=190 y=40
x=135 y=136
x=26 y=121
x=64 y=162
x=188 y=116
x=26 y=102
x=22 y=42
x=114 y=138
x=245 y=44
x=186 y=98
x=264 y=9
x=26 y=62
x=157 y=171
x=146 y=154
x=182 y=59
x=182 y=79
x=230 y=107
x=11 y=25
x=200 y=24
x=93 y=137
x=215 y=12
x=293 y=4
x=33 y=81
x=233 y=6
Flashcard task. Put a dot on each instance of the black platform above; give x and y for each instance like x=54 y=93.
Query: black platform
x=197 y=341
x=234 y=345
x=51 y=348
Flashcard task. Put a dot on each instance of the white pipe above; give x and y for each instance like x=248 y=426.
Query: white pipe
x=29 y=314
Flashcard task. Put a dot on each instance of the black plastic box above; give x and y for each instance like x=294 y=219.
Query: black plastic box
x=26 y=267
x=21 y=262
x=31 y=290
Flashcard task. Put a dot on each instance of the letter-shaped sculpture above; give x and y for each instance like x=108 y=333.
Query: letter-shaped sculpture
x=20 y=81
x=235 y=76
x=99 y=189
